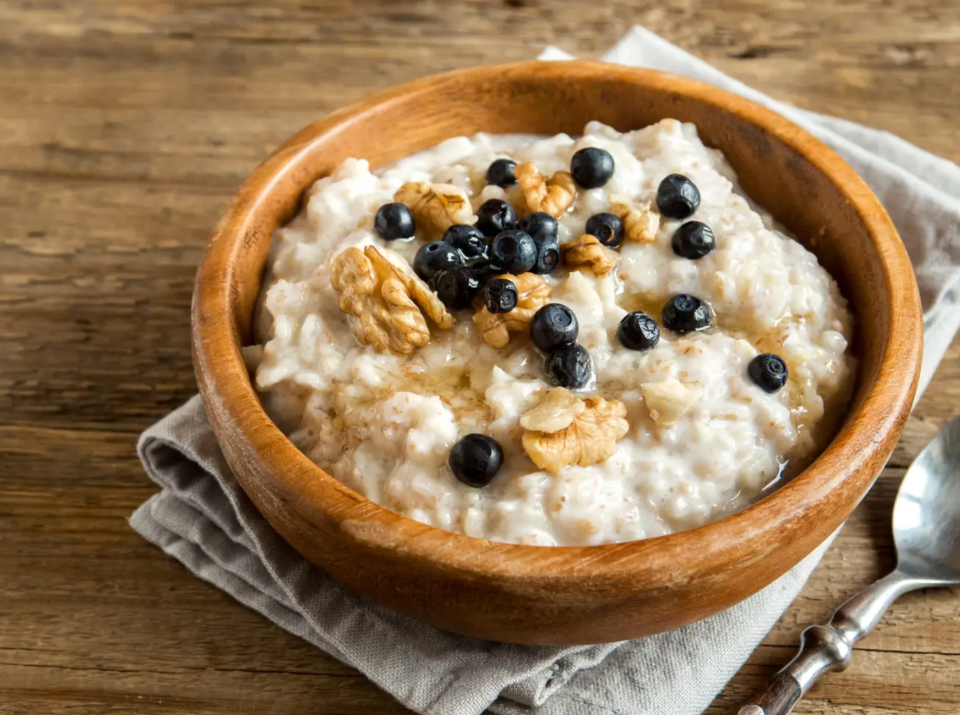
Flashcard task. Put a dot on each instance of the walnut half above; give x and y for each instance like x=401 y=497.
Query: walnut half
x=640 y=221
x=387 y=299
x=555 y=412
x=588 y=251
x=435 y=207
x=669 y=400
x=573 y=430
x=495 y=328
x=552 y=196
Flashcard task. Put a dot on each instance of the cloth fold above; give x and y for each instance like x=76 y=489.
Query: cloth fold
x=202 y=518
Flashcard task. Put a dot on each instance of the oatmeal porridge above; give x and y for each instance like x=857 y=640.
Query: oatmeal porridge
x=551 y=341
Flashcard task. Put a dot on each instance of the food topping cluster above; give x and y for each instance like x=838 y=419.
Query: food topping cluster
x=495 y=264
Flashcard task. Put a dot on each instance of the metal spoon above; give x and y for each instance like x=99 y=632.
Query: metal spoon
x=926 y=530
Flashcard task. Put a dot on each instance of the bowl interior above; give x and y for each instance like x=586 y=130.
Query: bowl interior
x=799 y=189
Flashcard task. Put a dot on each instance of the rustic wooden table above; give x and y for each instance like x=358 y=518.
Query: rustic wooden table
x=126 y=127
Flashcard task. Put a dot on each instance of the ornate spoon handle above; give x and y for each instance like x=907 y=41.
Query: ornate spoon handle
x=829 y=647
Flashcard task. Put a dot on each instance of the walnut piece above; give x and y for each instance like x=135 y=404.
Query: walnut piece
x=555 y=412
x=588 y=251
x=387 y=299
x=590 y=437
x=640 y=221
x=495 y=328
x=435 y=207
x=669 y=400
x=552 y=196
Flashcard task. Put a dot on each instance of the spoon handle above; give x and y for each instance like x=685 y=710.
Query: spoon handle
x=829 y=647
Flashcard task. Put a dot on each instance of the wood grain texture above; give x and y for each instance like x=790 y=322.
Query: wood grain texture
x=125 y=128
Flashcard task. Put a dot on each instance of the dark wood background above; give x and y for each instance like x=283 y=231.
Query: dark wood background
x=124 y=129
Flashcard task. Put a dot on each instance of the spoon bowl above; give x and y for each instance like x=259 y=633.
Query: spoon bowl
x=926 y=531
x=926 y=514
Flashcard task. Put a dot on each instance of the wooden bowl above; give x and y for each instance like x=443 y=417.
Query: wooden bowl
x=562 y=595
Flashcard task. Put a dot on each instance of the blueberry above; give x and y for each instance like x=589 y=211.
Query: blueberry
x=591 y=167
x=476 y=459
x=456 y=287
x=500 y=173
x=514 y=251
x=393 y=221
x=677 y=197
x=685 y=314
x=607 y=228
x=548 y=254
x=434 y=257
x=638 y=331
x=539 y=224
x=494 y=216
x=471 y=243
x=693 y=240
x=553 y=326
x=768 y=371
x=500 y=295
x=570 y=366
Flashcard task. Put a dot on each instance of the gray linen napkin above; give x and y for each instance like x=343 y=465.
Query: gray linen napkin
x=202 y=518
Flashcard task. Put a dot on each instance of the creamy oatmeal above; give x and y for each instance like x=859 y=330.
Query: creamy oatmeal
x=708 y=360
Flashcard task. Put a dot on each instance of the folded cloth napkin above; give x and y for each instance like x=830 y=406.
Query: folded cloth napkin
x=202 y=518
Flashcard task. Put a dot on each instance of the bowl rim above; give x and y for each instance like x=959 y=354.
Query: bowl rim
x=312 y=491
